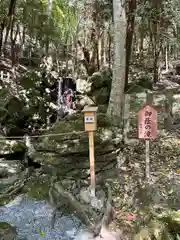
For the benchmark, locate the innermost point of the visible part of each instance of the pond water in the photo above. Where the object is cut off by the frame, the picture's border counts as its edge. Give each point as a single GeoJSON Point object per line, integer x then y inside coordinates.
{"type": "Point", "coordinates": [32, 219]}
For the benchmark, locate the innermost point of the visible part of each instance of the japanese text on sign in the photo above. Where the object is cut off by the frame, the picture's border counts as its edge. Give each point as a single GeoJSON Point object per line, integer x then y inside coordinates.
{"type": "Point", "coordinates": [147, 123]}
{"type": "Point", "coordinates": [89, 119]}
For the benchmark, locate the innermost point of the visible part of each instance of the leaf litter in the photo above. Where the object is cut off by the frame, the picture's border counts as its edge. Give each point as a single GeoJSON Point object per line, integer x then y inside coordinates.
{"type": "Point", "coordinates": [138, 201]}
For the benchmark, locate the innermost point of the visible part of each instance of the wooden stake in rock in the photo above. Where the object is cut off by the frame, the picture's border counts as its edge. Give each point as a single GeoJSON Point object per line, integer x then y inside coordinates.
{"type": "Point", "coordinates": [90, 121]}
{"type": "Point", "coordinates": [147, 129]}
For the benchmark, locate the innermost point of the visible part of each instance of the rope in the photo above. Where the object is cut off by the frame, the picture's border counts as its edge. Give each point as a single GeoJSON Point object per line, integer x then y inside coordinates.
{"type": "Point", "coordinates": [41, 136]}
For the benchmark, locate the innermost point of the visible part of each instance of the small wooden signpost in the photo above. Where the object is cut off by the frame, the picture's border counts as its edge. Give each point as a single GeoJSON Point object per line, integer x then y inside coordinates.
{"type": "Point", "coordinates": [90, 124]}
{"type": "Point", "coordinates": [147, 129]}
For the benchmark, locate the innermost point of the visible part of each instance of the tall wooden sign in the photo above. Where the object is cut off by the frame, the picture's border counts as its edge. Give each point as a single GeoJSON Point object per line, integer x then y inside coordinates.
{"type": "Point", "coordinates": [147, 129]}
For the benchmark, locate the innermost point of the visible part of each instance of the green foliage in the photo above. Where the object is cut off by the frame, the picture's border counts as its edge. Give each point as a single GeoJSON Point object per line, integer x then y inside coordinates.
{"type": "Point", "coordinates": [164, 15]}
{"type": "Point", "coordinates": [38, 24]}
{"type": "Point", "coordinates": [4, 96]}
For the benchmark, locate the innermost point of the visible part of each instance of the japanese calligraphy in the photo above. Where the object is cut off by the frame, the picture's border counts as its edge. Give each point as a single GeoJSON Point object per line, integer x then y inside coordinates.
{"type": "Point", "coordinates": [147, 122]}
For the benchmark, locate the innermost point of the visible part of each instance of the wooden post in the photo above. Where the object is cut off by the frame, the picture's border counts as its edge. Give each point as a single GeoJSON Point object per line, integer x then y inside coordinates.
{"type": "Point", "coordinates": [92, 163]}
{"type": "Point", "coordinates": [147, 160]}
{"type": "Point", "coordinates": [90, 123]}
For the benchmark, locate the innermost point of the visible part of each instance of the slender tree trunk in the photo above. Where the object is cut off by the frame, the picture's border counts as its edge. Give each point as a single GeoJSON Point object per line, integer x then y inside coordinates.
{"type": "Point", "coordinates": [166, 58]}
{"type": "Point", "coordinates": [129, 36]}
{"type": "Point", "coordinates": [7, 21]}
{"type": "Point", "coordinates": [2, 34]}
{"type": "Point", "coordinates": [10, 16]}
{"type": "Point", "coordinates": [116, 102]}
{"type": "Point", "coordinates": [109, 45]}
{"type": "Point", "coordinates": [141, 45]}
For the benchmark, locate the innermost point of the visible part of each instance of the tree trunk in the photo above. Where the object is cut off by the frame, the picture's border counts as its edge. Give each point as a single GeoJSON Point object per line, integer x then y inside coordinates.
{"type": "Point", "coordinates": [141, 45]}
{"type": "Point", "coordinates": [109, 45]}
{"type": "Point", "coordinates": [11, 13]}
{"type": "Point", "coordinates": [129, 36]}
{"type": "Point", "coordinates": [166, 58]}
{"type": "Point", "coordinates": [2, 34]}
{"type": "Point", "coordinates": [117, 89]}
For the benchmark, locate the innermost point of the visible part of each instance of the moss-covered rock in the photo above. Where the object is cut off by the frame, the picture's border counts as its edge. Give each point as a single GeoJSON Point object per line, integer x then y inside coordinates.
{"type": "Point", "coordinates": [10, 146]}
{"type": "Point", "coordinates": [102, 96]}
{"type": "Point", "coordinates": [102, 108]}
{"type": "Point", "coordinates": [7, 232]}
{"type": "Point", "coordinates": [69, 151]}
{"type": "Point", "coordinates": [101, 86]}
{"type": "Point", "coordinates": [38, 187]}
{"type": "Point", "coordinates": [142, 83]}
{"type": "Point", "coordinates": [4, 201]}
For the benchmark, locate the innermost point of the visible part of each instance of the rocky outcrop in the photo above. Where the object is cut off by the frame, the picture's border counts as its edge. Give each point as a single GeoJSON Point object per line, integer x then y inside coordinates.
{"type": "Point", "coordinates": [69, 151]}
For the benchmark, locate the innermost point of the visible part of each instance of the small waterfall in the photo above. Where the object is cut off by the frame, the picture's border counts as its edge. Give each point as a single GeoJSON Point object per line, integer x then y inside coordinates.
{"type": "Point", "coordinates": [30, 148]}
{"type": "Point", "coordinates": [60, 99]}
{"type": "Point", "coordinates": [64, 98]}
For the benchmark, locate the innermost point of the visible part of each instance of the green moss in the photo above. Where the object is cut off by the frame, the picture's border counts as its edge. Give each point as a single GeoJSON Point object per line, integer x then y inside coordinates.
{"type": "Point", "coordinates": [29, 80]}
{"type": "Point", "coordinates": [136, 105]}
{"type": "Point", "coordinates": [102, 120]}
{"type": "Point", "coordinates": [4, 201]}
{"type": "Point", "coordinates": [14, 105]}
{"type": "Point", "coordinates": [102, 95]}
{"type": "Point", "coordinates": [38, 188]}
{"type": "Point", "coordinates": [102, 109]}
{"type": "Point", "coordinates": [97, 139]}
{"type": "Point", "coordinates": [63, 126]}
{"type": "Point", "coordinates": [18, 147]}
{"type": "Point", "coordinates": [4, 225]}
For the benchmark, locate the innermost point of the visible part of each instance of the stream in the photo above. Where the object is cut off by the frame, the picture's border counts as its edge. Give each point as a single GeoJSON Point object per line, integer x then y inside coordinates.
{"type": "Point", "coordinates": [32, 219]}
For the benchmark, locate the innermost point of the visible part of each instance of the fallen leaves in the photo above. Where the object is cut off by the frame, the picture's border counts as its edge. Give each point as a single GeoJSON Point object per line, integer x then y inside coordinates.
{"type": "Point", "coordinates": [131, 217]}
{"type": "Point", "coordinates": [163, 190]}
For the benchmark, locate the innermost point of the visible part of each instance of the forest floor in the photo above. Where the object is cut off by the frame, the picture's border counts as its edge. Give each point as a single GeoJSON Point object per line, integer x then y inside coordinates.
{"type": "Point", "coordinates": [136, 200]}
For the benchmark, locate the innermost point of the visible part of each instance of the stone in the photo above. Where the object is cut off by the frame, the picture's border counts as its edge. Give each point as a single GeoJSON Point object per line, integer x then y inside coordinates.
{"type": "Point", "coordinates": [85, 100]}
{"type": "Point", "coordinates": [101, 86]}
{"type": "Point", "coordinates": [9, 167]}
{"type": "Point", "coordinates": [85, 195]}
{"type": "Point", "coordinates": [83, 86]}
{"type": "Point", "coordinates": [96, 202]}
{"type": "Point", "coordinates": [107, 134]}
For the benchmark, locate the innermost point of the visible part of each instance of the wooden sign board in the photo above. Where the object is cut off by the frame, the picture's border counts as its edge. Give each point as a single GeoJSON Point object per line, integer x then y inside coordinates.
{"type": "Point", "coordinates": [90, 118]}
{"type": "Point", "coordinates": [147, 123]}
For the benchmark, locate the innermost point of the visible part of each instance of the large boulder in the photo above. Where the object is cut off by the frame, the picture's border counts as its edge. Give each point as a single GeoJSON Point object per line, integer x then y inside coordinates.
{"type": "Point", "coordinates": [83, 86]}
{"type": "Point", "coordinates": [101, 86]}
